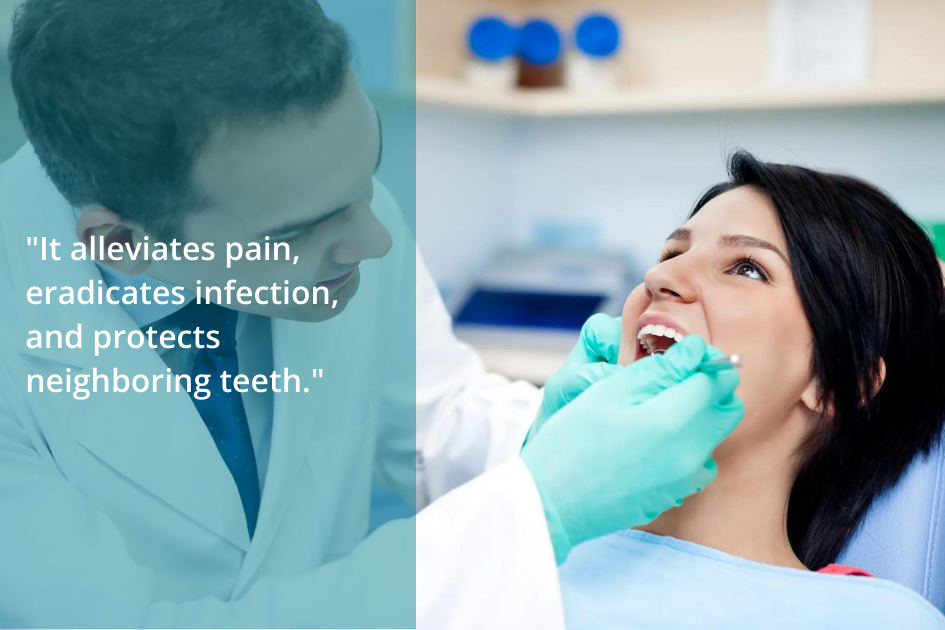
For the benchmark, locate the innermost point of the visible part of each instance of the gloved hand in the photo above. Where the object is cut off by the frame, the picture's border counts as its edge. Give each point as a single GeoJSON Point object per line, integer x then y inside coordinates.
{"type": "Point", "coordinates": [593, 358]}
{"type": "Point", "coordinates": [633, 445]}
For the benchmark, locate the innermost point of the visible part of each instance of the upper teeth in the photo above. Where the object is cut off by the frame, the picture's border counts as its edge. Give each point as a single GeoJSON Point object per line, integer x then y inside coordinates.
{"type": "Point", "coordinates": [657, 330]}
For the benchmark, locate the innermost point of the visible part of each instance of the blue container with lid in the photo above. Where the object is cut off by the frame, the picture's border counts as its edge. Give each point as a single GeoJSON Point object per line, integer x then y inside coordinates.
{"type": "Point", "coordinates": [598, 35]}
{"type": "Point", "coordinates": [493, 39]}
{"type": "Point", "coordinates": [540, 43]}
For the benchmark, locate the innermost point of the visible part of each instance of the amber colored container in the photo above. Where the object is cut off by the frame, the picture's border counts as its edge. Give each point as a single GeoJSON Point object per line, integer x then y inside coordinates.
{"type": "Point", "coordinates": [541, 58]}
{"type": "Point", "coordinates": [537, 76]}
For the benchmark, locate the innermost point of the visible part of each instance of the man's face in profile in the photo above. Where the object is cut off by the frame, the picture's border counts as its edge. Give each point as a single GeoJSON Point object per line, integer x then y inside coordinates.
{"type": "Point", "coordinates": [304, 180]}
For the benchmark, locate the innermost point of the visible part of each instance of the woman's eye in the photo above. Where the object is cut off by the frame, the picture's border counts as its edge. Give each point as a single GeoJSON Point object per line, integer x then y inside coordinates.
{"type": "Point", "coordinates": [670, 253]}
{"type": "Point", "coordinates": [749, 269]}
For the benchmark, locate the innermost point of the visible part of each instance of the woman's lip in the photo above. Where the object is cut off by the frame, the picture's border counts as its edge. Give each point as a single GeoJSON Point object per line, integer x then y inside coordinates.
{"type": "Point", "coordinates": [656, 319]}
{"type": "Point", "coordinates": [338, 282]}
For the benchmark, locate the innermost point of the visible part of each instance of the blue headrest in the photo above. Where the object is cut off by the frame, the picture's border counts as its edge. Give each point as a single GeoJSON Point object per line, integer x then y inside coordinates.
{"type": "Point", "coordinates": [903, 536]}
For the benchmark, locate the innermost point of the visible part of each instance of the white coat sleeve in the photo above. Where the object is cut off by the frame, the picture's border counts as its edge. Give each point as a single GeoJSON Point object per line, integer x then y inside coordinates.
{"type": "Point", "coordinates": [462, 420]}
{"type": "Point", "coordinates": [484, 557]}
{"type": "Point", "coordinates": [468, 420]}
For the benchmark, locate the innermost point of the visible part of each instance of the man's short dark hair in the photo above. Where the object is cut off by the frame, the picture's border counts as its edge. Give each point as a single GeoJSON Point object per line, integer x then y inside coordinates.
{"type": "Point", "coordinates": [118, 97]}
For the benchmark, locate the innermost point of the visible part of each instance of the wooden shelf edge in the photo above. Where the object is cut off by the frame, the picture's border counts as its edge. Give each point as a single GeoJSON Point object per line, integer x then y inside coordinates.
{"type": "Point", "coordinates": [559, 102]}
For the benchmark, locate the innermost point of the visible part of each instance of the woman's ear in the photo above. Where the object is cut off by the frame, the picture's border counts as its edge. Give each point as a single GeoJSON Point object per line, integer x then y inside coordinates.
{"type": "Point", "coordinates": [97, 221]}
{"type": "Point", "coordinates": [878, 379]}
{"type": "Point", "coordinates": [813, 400]}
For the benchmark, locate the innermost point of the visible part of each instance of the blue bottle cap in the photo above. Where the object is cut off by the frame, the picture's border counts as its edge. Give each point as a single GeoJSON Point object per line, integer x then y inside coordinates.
{"type": "Point", "coordinates": [541, 43]}
{"type": "Point", "coordinates": [493, 39]}
{"type": "Point", "coordinates": [598, 35]}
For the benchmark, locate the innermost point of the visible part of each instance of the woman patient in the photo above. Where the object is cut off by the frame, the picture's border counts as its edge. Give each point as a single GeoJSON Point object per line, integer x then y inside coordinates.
{"type": "Point", "coordinates": [833, 298]}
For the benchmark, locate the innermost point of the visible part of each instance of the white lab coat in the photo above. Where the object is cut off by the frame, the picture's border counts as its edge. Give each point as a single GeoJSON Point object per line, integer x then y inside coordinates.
{"type": "Point", "coordinates": [118, 511]}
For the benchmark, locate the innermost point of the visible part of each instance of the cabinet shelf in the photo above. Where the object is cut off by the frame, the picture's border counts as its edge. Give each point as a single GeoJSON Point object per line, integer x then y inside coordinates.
{"type": "Point", "coordinates": [441, 92]}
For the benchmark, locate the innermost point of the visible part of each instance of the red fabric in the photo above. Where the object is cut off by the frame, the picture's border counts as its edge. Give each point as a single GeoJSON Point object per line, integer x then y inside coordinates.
{"type": "Point", "coordinates": [840, 569]}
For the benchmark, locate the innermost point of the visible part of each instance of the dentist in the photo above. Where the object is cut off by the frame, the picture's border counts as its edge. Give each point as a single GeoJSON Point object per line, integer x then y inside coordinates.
{"type": "Point", "coordinates": [208, 121]}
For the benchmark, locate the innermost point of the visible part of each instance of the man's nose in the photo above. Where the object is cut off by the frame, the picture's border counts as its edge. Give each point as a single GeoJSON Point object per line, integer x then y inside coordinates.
{"type": "Point", "coordinates": [671, 280]}
{"type": "Point", "coordinates": [365, 238]}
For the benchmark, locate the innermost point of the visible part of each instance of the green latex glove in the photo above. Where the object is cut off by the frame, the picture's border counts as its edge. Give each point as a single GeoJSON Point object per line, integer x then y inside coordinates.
{"type": "Point", "coordinates": [593, 358]}
{"type": "Point", "coordinates": [633, 445]}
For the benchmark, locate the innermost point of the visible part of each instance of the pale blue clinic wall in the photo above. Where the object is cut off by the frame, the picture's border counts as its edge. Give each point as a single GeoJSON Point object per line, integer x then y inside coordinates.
{"type": "Point", "coordinates": [634, 177]}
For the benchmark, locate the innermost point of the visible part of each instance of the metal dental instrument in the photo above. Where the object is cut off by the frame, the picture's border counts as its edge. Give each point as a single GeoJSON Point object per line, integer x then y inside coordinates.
{"type": "Point", "coordinates": [722, 363]}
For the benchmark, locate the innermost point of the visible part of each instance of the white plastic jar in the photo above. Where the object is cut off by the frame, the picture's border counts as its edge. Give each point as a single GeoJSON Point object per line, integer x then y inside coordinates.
{"type": "Point", "coordinates": [592, 64]}
{"type": "Point", "coordinates": [493, 50]}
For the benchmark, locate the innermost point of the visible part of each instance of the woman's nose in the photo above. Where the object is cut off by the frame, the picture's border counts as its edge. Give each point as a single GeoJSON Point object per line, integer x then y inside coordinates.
{"type": "Point", "coordinates": [670, 281]}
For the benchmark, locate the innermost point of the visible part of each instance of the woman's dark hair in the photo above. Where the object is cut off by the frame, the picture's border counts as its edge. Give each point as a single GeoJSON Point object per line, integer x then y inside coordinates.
{"type": "Point", "coordinates": [872, 290]}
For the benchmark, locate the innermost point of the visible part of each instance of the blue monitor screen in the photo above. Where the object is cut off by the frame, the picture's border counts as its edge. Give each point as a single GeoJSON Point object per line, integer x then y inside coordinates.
{"type": "Point", "coordinates": [528, 310]}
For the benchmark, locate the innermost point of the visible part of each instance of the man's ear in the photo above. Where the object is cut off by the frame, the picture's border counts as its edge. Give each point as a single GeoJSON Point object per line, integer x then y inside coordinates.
{"type": "Point", "coordinates": [97, 221]}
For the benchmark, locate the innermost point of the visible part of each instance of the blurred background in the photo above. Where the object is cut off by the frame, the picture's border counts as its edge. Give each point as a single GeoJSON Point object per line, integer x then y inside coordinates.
{"type": "Point", "coordinates": [550, 127]}
{"type": "Point", "coordinates": [556, 143]}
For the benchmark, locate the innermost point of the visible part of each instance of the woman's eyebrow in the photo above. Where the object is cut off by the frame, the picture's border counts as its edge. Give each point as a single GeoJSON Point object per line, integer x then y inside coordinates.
{"type": "Point", "coordinates": [680, 234]}
{"type": "Point", "coordinates": [742, 240]}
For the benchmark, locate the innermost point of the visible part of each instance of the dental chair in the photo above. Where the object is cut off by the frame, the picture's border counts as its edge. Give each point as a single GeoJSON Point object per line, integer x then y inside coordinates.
{"type": "Point", "coordinates": [902, 538]}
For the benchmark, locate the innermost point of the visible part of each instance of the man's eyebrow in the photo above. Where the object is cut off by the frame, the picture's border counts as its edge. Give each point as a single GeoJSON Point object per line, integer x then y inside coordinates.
{"type": "Point", "coordinates": [680, 234]}
{"type": "Point", "coordinates": [301, 226]}
{"type": "Point", "coordinates": [742, 240]}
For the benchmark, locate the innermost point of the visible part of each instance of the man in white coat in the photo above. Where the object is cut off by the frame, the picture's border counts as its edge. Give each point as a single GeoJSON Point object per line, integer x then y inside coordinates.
{"type": "Point", "coordinates": [199, 121]}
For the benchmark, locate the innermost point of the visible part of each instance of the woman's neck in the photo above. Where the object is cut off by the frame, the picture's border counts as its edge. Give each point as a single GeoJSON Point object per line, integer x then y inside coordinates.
{"type": "Point", "coordinates": [742, 513]}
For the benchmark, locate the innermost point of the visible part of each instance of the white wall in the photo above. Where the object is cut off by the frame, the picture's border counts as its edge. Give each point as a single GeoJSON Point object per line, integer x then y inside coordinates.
{"type": "Point", "coordinates": [481, 182]}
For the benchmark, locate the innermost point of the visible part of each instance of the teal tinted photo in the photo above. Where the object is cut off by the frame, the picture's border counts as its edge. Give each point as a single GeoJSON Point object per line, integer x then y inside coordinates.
{"type": "Point", "coordinates": [207, 410]}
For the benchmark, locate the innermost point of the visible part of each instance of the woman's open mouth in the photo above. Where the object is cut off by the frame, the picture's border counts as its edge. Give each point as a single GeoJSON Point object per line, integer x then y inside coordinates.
{"type": "Point", "coordinates": [656, 334]}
